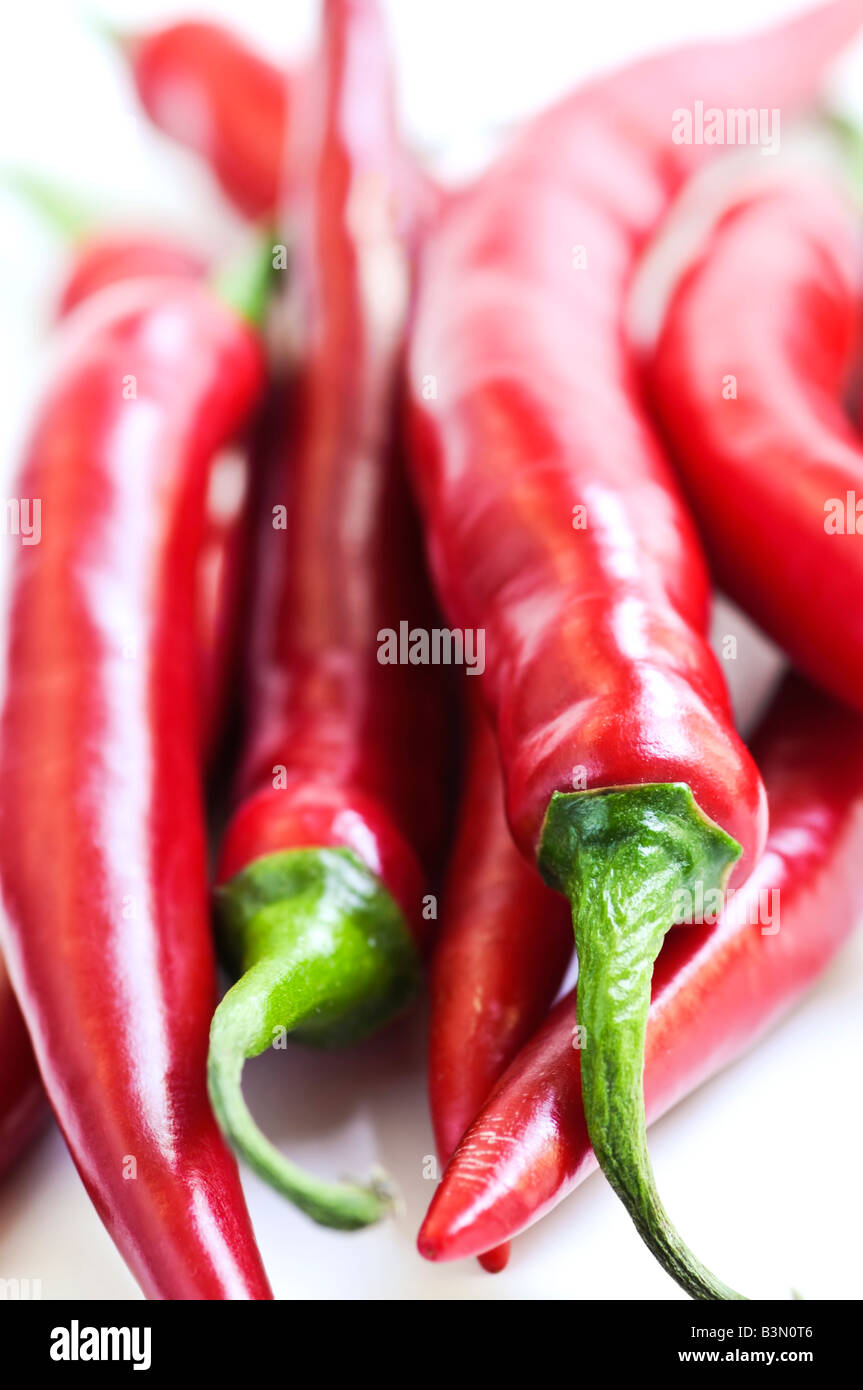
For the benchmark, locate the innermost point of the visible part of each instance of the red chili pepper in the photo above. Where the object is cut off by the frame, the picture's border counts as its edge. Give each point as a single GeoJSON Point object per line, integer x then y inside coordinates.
{"type": "Point", "coordinates": [504, 947]}
{"type": "Point", "coordinates": [526, 409]}
{"type": "Point", "coordinates": [101, 260]}
{"type": "Point", "coordinates": [207, 89]}
{"type": "Point", "coordinates": [109, 948]}
{"type": "Point", "coordinates": [747, 378]}
{"type": "Point", "coordinates": [112, 259]}
{"type": "Point", "coordinates": [98, 262]}
{"type": "Point", "coordinates": [320, 894]}
{"type": "Point", "coordinates": [715, 988]}
{"type": "Point", "coordinates": [222, 577]}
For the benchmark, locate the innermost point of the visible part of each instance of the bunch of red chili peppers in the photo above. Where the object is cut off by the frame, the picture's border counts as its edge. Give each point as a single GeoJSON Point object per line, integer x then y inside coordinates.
{"type": "Point", "coordinates": [461, 385]}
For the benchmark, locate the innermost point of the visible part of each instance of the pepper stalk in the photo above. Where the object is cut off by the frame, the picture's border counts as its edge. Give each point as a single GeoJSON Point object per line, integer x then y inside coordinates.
{"type": "Point", "coordinates": [622, 856]}
{"type": "Point", "coordinates": [323, 955]}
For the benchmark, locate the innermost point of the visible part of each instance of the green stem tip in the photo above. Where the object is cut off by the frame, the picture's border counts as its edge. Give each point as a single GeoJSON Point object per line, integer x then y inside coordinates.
{"type": "Point", "coordinates": [247, 284]}
{"type": "Point", "coordinates": [848, 137]}
{"type": "Point", "coordinates": [58, 209]}
{"type": "Point", "coordinates": [106, 31]}
{"type": "Point", "coordinates": [323, 956]}
{"type": "Point", "coordinates": [627, 859]}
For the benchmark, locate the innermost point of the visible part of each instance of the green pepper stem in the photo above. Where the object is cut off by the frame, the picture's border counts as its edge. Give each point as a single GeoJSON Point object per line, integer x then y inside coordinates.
{"type": "Point", "coordinates": [846, 132]}
{"type": "Point", "coordinates": [247, 284]}
{"type": "Point", "coordinates": [623, 857]}
{"type": "Point", "coordinates": [102, 28]}
{"type": "Point", "coordinates": [59, 210]}
{"type": "Point", "coordinates": [343, 1206]}
{"type": "Point", "coordinates": [323, 956]}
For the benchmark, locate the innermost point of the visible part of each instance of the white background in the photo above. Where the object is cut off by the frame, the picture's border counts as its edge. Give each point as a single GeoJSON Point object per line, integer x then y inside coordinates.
{"type": "Point", "coordinates": [761, 1168]}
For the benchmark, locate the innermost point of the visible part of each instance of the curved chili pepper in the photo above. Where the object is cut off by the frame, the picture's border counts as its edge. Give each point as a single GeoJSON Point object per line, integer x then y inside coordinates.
{"type": "Point", "coordinates": [503, 949]}
{"type": "Point", "coordinates": [105, 258]}
{"type": "Point", "coordinates": [715, 988]}
{"type": "Point", "coordinates": [101, 260]}
{"type": "Point", "coordinates": [320, 886]}
{"type": "Point", "coordinates": [111, 259]}
{"type": "Point", "coordinates": [110, 951]}
{"type": "Point", "coordinates": [207, 89]}
{"type": "Point", "coordinates": [747, 378]}
{"type": "Point", "coordinates": [556, 528]}
{"type": "Point", "coordinates": [203, 86]}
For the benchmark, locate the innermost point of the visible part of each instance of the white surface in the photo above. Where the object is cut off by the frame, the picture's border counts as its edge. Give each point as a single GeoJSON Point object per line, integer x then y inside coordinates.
{"type": "Point", "coordinates": [761, 1167]}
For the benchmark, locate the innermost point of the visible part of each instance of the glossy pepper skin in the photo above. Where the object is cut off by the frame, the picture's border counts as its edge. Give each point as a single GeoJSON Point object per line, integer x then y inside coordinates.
{"type": "Point", "coordinates": [101, 260]}
{"type": "Point", "coordinates": [504, 945]}
{"type": "Point", "coordinates": [556, 527]}
{"type": "Point", "coordinates": [105, 259]}
{"type": "Point", "coordinates": [98, 262]}
{"type": "Point", "coordinates": [109, 949]}
{"type": "Point", "coordinates": [204, 87]}
{"type": "Point", "coordinates": [320, 880]}
{"type": "Point", "coordinates": [773, 301]}
{"type": "Point", "coordinates": [188, 77]}
{"type": "Point", "coordinates": [716, 988]}
{"type": "Point", "coordinates": [537, 411]}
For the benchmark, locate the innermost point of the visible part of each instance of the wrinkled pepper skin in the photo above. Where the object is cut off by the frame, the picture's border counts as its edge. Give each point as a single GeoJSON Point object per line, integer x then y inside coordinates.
{"type": "Point", "coordinates": [716, 988]}
{"type": "Point", "coordinates": [773, 301]}
{"type": "Point", "coordinates": [109, 949]}
{"type": "Point", "coordinates": [208, 90]}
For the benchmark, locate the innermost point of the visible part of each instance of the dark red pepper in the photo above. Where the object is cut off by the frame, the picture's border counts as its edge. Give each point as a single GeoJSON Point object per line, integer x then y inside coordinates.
{"type": "Point", "coordinates": [505, 943]}
{"type": "Point", "coordinates": [22, 1099]}
{"type": "Point", "coordinates": [716, 988]}
{"type": "Point", "coordinates": [102, 850]}
{"type": "Point", "coordinates": [748, 378]}
{"type": "Point", "coordinates": [340, 789]}
{"type": "Point", "coordinates": [555, 527]}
